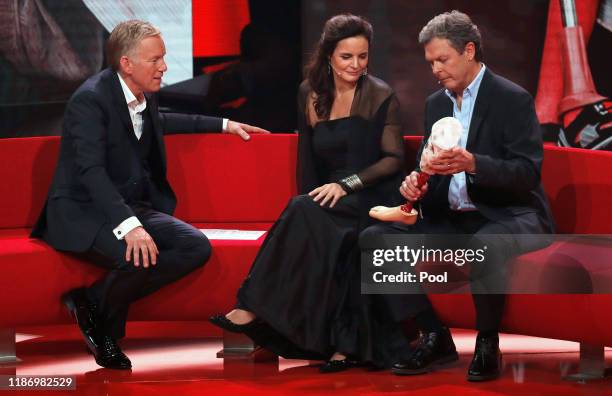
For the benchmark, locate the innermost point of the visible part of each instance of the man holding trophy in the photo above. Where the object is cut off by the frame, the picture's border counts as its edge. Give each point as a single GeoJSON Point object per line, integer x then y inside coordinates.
{"type": "Point", "coordinates": [486, 185]}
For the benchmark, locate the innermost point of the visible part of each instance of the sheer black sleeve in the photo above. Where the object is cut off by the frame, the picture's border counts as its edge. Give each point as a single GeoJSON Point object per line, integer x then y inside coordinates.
{"type": "Point", "coordinates": [391, 160]}
{"type": "Point", "coordinates": [307, 179]}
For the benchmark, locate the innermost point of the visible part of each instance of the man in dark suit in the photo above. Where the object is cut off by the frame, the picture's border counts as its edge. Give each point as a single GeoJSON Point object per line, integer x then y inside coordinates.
{"type": "Point", "coordinates": [488, 187]}
{"type": "Point", "coordinates": [110, 198]}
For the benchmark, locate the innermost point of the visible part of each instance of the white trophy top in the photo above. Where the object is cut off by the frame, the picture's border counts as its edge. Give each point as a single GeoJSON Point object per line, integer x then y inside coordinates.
{"type": "Point", "coordinates": [445, 133]}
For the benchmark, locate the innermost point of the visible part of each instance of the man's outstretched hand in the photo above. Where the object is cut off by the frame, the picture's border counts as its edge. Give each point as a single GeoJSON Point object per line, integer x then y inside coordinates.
{"type": "Point", "coordinates": [243, 130]}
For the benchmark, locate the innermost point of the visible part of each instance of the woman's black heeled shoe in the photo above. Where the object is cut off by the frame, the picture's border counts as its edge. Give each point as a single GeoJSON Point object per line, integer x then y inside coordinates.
{"type": "Point", "coordinates": [226, 324]}
{"type": "Point", "coordinates": [335, 366]}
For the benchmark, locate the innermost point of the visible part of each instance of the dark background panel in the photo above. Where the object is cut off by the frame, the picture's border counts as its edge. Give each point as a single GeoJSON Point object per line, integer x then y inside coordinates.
{"type": "Point", "coordinates": [513, 35]}
{"type": "Point", "coordinates": [32, 101]}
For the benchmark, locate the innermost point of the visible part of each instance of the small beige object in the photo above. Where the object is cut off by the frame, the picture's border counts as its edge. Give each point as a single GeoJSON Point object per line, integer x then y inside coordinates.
{"type": "Point", "coordinates": [384, 213]}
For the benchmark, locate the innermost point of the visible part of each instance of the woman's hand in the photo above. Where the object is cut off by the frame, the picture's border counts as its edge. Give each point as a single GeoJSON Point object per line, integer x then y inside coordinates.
{"type": "Point", "coordinates": [327, 192]}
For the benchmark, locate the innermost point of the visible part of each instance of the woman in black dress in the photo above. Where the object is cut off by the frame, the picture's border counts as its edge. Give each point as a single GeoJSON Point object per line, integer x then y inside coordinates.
{"type": "Point", "coordinates": [302, 296]}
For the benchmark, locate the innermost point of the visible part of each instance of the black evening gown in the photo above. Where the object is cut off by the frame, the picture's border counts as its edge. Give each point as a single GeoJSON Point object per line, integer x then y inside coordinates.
{"type": "Point", "coordinates": [304, 284]}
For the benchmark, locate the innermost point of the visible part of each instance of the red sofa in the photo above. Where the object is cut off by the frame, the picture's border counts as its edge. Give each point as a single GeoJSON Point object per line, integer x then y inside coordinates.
{"type": "Point", "coordinates": [222, 182]}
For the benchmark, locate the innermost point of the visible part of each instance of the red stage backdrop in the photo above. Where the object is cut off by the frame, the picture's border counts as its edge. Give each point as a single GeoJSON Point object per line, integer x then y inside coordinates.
{"type": "Point", "coordinates": [217, 25]}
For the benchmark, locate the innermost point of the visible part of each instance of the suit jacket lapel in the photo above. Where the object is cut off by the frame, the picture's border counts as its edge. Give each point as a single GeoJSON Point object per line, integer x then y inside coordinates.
{"type": "Point", "coordinates": [157, 129]}
{"type": "Point", "coordinates": [122, 109]}
{"type": "Point", "coordinates": [447, 110]}
{"type": "Point", "coordinates": [480, 108]}
{"type": "Point", "coordinates": [442, 107]}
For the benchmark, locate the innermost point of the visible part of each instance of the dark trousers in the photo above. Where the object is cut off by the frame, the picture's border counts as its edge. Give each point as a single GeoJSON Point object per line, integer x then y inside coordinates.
{"type": "Point", "coordinates": [489, 307]}
{"type": "Point", "coordinates": [182, 249]}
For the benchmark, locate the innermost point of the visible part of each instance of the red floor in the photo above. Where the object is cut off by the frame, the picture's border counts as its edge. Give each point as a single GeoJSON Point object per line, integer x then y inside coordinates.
{"type": "Point", "coordinates": [171, 359]}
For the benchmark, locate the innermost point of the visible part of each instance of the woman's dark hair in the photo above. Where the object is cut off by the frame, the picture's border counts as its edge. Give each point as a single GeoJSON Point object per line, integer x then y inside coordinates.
{"type": "Point", "coordinates": [317, 72]}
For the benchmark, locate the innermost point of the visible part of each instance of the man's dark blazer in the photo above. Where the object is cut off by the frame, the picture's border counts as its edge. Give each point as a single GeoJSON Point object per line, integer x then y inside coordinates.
{"type": "Point", "coordinates": [99, 163]}
{"type": "Point", "coordinates": [506, 140]}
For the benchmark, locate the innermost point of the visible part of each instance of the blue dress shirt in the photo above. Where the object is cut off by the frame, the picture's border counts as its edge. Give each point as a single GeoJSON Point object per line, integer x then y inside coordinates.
{"type": "Point", "coordinates": [458, 198]}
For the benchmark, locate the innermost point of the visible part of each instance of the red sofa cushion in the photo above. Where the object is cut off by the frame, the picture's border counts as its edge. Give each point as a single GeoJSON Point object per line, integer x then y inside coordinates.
{"type": "Point", "coordinates": [236, 181]}
{"type": "Point", "coordinates": [217, 178]}
{"type": "Point", "coordinates": [579, 189]}
{"type": "Point", "coordinates": [26, 169]}
{"type": "Point", "coordinates": [34, 276]}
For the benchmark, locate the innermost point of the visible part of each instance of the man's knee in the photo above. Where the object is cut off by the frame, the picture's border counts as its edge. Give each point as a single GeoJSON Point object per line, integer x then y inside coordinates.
{"type": "Point", "coordinates": [370, 234]}
{"type": "Point", "coordinates": [114, 260]}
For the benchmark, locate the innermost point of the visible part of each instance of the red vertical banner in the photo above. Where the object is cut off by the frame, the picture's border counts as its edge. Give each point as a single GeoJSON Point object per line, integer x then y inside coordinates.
{"type": "Point", "coordinates": [551, 84]}
{"type": "Point", "coordinates": [217, 25]}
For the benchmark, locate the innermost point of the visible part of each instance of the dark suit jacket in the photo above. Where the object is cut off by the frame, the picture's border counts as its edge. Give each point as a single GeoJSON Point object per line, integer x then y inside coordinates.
{"type": "Point", "coordinates": [506, 141]}
{"type": "Point", "coordinates": [99, 163]}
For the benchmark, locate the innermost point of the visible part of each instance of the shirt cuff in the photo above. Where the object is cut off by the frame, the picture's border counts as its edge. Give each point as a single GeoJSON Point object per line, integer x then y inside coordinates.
{"type": "Point", "coordinates": [224, 127]}
{"type": "Point", "coordinates": [126, 226]}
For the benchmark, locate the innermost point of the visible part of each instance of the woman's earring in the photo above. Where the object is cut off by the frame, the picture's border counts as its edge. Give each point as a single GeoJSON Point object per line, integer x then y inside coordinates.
{"type": "Point", "coordinates": [365, 72]}
{"type": "Point", "coordinates": [328, 68]}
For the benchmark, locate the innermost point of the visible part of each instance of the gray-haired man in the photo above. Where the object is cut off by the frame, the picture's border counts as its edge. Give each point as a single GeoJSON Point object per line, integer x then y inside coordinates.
{"type": "Point", "coordinates": [488, 187]}
{"type": "Point", "coordinates": [110, 198]}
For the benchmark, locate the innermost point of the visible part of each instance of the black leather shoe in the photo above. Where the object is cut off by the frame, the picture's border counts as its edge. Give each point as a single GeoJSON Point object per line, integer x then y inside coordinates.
{"type": "Point", "coordinates": [432, 349]}
{"type": "Point", "coordinates": [226, 324]}
{"type": "Point", "coordinates": [335, 366]}
{"type": "Point", "coordinates": [487, 361]}
{"type": "Point", "coordinates": [109, 354]}
{"type": "Point", "coordinates": [84, 312]}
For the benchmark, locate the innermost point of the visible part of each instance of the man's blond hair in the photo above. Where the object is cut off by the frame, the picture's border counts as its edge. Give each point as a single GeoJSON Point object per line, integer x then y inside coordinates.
{"type": "Point", "coordinates": [125, 37]}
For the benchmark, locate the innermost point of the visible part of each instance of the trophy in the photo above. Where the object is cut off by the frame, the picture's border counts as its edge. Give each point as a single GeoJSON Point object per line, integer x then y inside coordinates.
{"type": "Point", "coordinates": [445, 134]}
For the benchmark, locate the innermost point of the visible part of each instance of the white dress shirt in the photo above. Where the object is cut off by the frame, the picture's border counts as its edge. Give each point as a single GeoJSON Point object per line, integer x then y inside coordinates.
{"type": "Point", "coordinates": [135, 109]}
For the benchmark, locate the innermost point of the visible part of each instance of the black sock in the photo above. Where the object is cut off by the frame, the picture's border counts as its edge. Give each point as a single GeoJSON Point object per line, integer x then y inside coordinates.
{"type": "Point", "coordinates": [428, 321]}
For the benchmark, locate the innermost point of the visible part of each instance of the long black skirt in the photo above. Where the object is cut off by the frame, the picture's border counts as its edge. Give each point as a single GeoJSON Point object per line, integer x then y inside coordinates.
{"type": "Point", "coordinates": [304, 285]}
